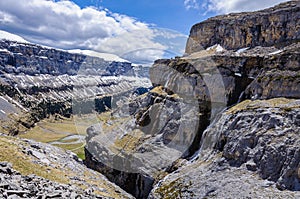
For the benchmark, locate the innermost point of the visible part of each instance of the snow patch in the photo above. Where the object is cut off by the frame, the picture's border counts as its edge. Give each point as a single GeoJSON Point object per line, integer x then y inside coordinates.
{"type": "Point", "coordinates": [4, 51]}
{"type": "Point", "coordinates": [238, 74]}
{"type": "Point", "coordinates": [241, 50]}
{"type": "Point", "coordinates": [105, 56]}
{"type": "Point", "coordinates": [216, 48]}
{"type": "Point", "coordinates": [11, 37]}
{"type": "Point", "coordinates": [276, 52]}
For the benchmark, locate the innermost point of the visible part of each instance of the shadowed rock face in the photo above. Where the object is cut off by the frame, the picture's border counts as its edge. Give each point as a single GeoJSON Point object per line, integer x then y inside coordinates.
{"type": "Point", "coordinates": [143, 139]}
{"type": "Point", "coordinates": [275, 26]}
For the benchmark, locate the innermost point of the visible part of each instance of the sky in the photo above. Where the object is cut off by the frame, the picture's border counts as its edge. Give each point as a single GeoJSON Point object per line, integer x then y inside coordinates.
{"type": "Point", "coordinates": [137, 30]}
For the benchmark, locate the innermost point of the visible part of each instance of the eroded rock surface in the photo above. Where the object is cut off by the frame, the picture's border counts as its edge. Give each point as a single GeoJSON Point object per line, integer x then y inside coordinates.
{"type": "Point", "coordinates": [143, 139]}
{"type": "Point", "coordinates": [211, 80]}
{"type": "Point", "coordinates": [252, 151]}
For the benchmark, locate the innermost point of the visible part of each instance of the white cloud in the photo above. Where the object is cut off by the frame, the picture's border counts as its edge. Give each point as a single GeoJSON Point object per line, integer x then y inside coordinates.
{"type": "Point", "coordinates": [191, 4]}
{"type": "Point", "coordinates": [227, 6]}
{"type": "Point", "coordinates": [65, 25]}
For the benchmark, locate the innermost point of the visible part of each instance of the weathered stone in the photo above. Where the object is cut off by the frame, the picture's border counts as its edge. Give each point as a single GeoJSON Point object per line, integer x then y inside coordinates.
{"type": "Point", "coordinates": [251, 148]}
{"type": "Point", "coordinates": [15, 185]}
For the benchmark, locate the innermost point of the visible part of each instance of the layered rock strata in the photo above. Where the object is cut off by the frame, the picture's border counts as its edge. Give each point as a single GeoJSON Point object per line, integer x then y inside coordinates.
{"type": "Point", "coordinates": [274, 26]}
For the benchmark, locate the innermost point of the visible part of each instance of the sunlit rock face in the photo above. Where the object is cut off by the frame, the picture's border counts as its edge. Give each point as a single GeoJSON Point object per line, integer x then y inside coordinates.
{"type": "Point", "coordinates": [274, 26]}
{"type": "Point", "coordinates": [229, 76]}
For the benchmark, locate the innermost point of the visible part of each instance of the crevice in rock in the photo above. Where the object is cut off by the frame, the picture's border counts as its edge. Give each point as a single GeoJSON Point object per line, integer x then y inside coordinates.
{"type": "Point", "coordinates": [204, 122]}
{"type": "Point", "coordinates": [137, 184]}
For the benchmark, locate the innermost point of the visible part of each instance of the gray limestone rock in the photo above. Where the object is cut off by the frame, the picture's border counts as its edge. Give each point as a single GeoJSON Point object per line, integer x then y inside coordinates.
{"type": "Point", "coordinates": [251, 151]}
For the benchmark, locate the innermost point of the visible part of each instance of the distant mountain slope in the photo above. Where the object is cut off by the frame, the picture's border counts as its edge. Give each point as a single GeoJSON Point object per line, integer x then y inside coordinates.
{"type": "Point", "coordinates": [106, 56]}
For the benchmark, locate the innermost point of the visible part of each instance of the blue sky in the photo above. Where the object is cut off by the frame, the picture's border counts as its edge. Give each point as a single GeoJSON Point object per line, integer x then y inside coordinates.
{"type": "Point", "coordinates": [171, 14]}
{"type": "Point", "coordinates": [136, 30]}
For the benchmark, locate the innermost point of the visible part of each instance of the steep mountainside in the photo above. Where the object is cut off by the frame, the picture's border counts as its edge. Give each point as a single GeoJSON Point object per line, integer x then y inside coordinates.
{"type": "Point", "coordinates": [274, 26]}
{"type": "Point", "coordinates": [252, 150]}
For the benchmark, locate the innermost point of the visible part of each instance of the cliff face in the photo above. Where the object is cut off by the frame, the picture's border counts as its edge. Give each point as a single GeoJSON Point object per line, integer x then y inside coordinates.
{"type": "Point", "coordinates": [262, 75]}
{"type": "Point", "coordinates": [152, 127]}
{"type": "Point", "coordinates": [30, 59]}
{"type": "Point", "coordinates": [274, 26]}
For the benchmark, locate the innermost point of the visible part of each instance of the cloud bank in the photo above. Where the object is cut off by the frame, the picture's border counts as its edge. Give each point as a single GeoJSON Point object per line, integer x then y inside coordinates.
{"type": "Point", "coordinates": [227, 6]}
{"type": "Point", "coordinates": [63, 24]}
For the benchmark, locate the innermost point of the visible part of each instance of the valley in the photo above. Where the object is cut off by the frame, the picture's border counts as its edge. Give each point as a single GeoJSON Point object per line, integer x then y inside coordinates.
{"type": "Point", "coordinates": [220, 121]}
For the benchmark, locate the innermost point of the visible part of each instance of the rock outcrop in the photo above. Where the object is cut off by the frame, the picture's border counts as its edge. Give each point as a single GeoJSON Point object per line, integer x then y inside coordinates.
{"type": "Point", "coordinates": [227, 77]}
{"type": "Point", "coordinates": [274, 26]}
{"type": "Point", "coordinates": [143, 138]}
{"type": "Point", "coordinates": [34, 170]}
{"type": "Point", "coordinates": [252, 151]}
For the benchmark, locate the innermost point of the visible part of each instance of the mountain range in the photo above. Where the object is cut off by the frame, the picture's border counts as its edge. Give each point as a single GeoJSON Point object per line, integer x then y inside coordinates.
{"type": "Point", "coordinates": [220, 121]}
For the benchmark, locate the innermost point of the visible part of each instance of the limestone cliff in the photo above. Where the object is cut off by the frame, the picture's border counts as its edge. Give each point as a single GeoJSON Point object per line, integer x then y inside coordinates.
{"type": "Point", "coordinates": [274, 26]}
